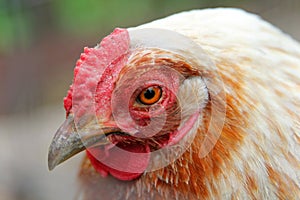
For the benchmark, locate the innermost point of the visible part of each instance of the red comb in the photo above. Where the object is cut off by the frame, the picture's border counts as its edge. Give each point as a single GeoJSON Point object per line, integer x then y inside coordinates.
{"type": "Point", "coordinates": [92, 65]}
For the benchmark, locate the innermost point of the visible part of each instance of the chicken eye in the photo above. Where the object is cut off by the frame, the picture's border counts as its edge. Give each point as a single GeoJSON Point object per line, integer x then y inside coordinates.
{"type": "Point", "coordinates": [150, 95]}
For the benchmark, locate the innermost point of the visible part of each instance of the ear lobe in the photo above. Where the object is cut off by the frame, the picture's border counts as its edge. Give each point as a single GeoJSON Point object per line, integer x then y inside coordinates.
{"type": "Point", "coordinates": [192, 95]}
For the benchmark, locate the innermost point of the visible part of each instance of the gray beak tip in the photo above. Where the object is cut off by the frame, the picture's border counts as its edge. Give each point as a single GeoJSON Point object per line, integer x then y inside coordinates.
{"type": "Point", "coordinates": [61, 146]}
{"type": "Point", "coordinates": [67, 142]}
{"type": "Point", "coordinates": [50, 167]}
{"type": "Point", "coordinates": [51, 164]}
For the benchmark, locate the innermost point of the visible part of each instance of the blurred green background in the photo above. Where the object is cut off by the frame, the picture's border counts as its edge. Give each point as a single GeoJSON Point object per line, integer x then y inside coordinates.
{"type": "Point", "coordinates": [40, 41]}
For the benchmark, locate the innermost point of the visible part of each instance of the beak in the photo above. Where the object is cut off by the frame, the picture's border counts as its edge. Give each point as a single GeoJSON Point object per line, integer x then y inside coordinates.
{"type": "Point", "coordinates": [67, 141]}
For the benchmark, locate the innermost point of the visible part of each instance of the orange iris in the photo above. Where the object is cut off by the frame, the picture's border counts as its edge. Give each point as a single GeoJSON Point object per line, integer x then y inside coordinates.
{"type": "Point", "coordinates": [150, 95]}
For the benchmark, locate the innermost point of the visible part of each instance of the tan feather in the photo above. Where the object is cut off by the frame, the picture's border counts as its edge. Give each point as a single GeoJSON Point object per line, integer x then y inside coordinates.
{"type": "Point", "coordinates": [257, 155]}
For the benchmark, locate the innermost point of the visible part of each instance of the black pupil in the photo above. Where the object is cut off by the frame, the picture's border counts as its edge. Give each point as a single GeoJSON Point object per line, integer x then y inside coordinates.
{"type": "Point", "coordinates": [149, 93]}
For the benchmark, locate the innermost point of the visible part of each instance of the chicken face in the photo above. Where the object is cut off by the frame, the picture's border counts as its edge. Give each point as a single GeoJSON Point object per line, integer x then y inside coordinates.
{"type": "Point", "coordinates": [149, 104]}
{"type": "Point", "coordinates": [133, 102]}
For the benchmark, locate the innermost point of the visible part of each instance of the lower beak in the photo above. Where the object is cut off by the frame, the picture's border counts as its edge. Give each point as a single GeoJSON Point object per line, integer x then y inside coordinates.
{"type": "Point", "coordinates": [68, 141]}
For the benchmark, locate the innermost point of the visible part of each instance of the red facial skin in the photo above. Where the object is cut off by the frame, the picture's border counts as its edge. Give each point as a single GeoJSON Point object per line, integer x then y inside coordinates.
{"type": "Point", "coordinates": [129, 157]}
{"type": "Point", "coordinates": [101, 88]}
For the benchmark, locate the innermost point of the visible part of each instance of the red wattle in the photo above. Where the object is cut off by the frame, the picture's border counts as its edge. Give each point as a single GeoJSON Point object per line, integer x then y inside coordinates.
{"type": "Point", "coordinates": [124, 162]}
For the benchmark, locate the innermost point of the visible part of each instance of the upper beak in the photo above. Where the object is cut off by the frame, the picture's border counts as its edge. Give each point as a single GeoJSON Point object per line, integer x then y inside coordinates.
{"type": "Point", "coordinates": [68, 141]}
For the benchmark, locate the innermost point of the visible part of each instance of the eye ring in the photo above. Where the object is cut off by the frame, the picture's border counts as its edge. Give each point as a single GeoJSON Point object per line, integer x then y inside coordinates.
{"type": "Point", "coordinates": [150, 95]}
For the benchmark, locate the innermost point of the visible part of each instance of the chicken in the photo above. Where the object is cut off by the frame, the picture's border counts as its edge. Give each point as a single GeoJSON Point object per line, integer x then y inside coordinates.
{"type": "Point", "coordinates": [203, 104]}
